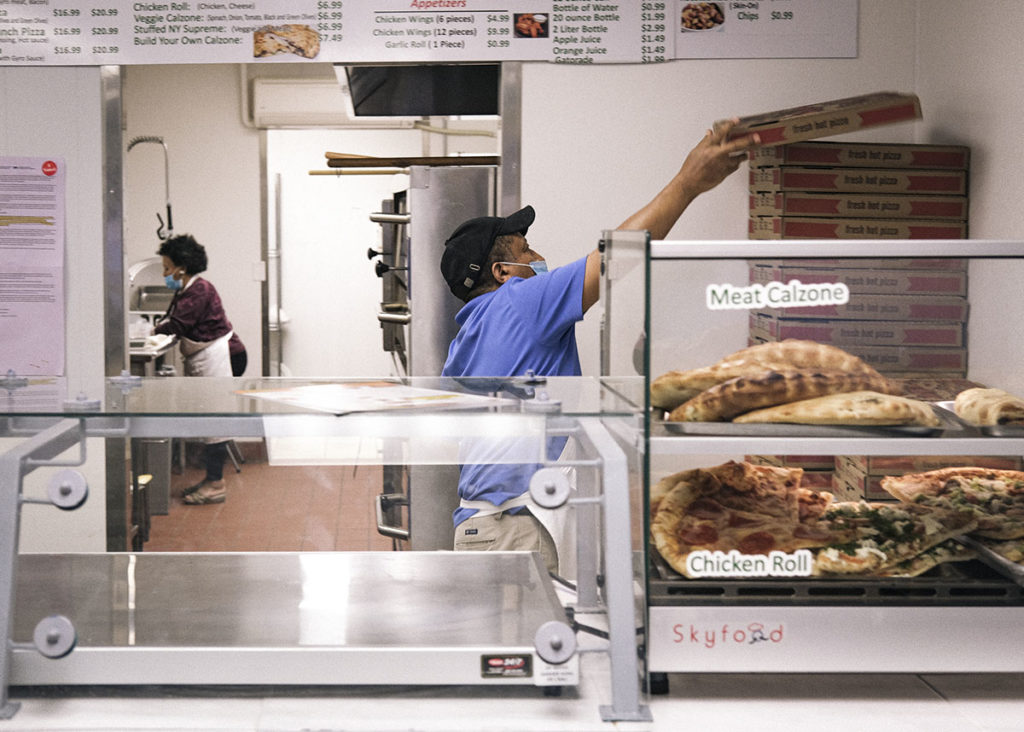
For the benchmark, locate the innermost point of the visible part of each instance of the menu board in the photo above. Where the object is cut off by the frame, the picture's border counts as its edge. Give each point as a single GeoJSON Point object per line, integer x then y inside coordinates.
{"type": "Point", "coordinates": [100, 32]}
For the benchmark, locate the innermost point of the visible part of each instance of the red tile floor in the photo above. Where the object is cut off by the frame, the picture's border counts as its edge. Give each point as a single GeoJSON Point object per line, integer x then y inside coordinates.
{"type": "Point", "coordinates": [271, 508]}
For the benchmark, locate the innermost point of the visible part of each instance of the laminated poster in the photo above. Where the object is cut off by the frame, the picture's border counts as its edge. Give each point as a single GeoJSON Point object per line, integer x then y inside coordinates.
{"type": "Point", "coordinates": [32, 204]}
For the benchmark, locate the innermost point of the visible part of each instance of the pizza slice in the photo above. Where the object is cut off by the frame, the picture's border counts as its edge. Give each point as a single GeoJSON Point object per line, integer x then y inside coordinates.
{"type": "Point", "coordinates": [885, 535]}
{"type": "Point", "coordinates": [948, 551]}
{"type": "Point", "coordinates": [759, 489]}
{"type": "Point", "coordinates": [985, 407]}
{"type": "Point", "coordinates": [671, 389]}
{"type": "Point", "coordinates": [682, 527]}
{"type": "Point", "coordinates": [1011, 549]}
{"type": "Point", "coordinates": [995, 497]}
{"type": "Point", "coordinates": [738, 506]}
{"type": "Point", "coordinates": [869, 408]}
{"type": "Point", "coordinates": [725, 401]}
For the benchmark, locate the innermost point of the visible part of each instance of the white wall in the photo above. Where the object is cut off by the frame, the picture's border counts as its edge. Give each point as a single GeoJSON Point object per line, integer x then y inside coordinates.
{"type": "Point", "coordinates": [55, 112]}
{"type": "Point", "coordinates": [969, 73]}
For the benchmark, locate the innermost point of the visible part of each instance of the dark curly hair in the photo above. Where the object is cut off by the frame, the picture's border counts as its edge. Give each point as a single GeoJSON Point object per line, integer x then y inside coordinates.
{"type": "Point", "coordinates": [185, 252]}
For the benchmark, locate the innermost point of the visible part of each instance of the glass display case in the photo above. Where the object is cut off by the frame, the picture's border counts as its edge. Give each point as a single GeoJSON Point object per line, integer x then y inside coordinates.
{"type": "Point", "coordinates": [323, 618]}
{"type": "Point", "coordinates": [712, 606]}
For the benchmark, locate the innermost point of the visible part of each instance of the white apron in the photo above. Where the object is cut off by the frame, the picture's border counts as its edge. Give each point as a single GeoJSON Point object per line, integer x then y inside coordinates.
{"type": "Point", "coordinates": [555, 520]}
{"type": "Point", "coordinates": [207, 358]}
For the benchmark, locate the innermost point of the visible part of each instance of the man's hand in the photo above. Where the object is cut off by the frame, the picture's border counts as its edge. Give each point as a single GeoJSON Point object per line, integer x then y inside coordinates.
{"type": "Point", "coordinates": [714, 158]}
{"type": "Point", "coordinates": [708, 164]}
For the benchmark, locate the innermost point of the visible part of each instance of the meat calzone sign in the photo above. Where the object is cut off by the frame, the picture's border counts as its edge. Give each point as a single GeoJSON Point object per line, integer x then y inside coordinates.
{"type": "Point", "coordinates": [793, 293]}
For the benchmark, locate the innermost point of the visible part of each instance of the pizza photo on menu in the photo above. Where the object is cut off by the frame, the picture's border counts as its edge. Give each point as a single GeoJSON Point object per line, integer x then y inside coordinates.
{"type": "Point", "coordinates": [294, 38]}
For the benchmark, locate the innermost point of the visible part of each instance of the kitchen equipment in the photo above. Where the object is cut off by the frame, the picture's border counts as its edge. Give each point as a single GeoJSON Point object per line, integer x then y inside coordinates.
{"type": "Point", "coordinates": [417, 318]}
{"type": "Point", "coordinates": [167, 184]}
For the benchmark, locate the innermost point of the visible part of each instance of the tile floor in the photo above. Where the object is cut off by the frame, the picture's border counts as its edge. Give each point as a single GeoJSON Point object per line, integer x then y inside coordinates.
{"type": "Point", "coordinates": [317, 508]}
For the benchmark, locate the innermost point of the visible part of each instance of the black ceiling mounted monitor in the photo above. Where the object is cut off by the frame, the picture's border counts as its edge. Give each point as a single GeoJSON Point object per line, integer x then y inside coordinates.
{"type": "Point", "coordinates": [432, 90]}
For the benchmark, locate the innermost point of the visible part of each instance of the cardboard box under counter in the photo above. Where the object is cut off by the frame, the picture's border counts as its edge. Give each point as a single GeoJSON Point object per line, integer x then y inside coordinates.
{"type": "Point", "coordinates": [858, 180]}
{"type": "Point", "coordinates": [857, 205]}
{"type": "Point", "coordinates": [833, 117]}
{"type": "Point", "coordinates": [863, 154]}
{"type": "Point", "coordinates": [860, 281]}
{"type": "Point", "coordinates": [791, 227]}
{"type": "Point", "coordinates": [843, 333]}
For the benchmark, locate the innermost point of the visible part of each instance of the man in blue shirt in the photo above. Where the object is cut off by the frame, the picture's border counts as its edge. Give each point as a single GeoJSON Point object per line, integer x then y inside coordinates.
{"type": "Point", "coordinates": [519, 317]}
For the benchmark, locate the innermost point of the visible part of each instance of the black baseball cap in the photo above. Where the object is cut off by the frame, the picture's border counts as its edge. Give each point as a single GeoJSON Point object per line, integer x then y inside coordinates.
{"type": "Point", "coordinates": [467, 249]}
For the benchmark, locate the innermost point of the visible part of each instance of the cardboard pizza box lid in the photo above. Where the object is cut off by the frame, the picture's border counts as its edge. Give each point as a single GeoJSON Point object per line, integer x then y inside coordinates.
{"type": "Point", "coordinates": [834, 117]}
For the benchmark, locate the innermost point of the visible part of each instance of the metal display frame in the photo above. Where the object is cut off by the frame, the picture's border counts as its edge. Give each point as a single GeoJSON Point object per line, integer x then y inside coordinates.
{"type": "Point", "coordinates": [604, 583]}
{"type": "Point", "coordinates": [702, 628]}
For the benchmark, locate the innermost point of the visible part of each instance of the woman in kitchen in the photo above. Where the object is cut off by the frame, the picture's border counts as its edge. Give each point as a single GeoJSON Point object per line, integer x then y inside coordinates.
{"type": "Point", "coordinates": [207, 341]}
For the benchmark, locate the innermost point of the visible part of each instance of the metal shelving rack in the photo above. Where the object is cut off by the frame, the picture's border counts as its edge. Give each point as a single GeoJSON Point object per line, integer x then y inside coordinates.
{"type": "Point", "coordinates": [809, 626]}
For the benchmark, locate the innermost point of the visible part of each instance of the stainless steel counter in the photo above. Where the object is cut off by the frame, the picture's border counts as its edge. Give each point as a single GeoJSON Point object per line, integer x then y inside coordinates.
{"type": "Point", "coordinates": [290, 618]}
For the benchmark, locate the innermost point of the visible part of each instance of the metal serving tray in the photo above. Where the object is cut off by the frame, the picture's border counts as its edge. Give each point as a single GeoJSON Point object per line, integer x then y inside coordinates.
{"type": "Point", "coordinates": [950, 425]}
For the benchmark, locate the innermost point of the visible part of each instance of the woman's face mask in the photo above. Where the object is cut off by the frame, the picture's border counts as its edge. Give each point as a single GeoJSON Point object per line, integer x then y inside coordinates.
{"type": "Point", "coordinates": [172, 283]}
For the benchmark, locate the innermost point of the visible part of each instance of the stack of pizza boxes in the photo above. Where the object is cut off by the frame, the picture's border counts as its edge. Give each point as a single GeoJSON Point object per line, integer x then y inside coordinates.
{"type": "Point", "coordinates": [905, 317]}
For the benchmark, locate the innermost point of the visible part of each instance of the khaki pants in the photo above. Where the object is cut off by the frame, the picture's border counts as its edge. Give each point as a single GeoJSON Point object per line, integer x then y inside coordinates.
{"type": "Point", "coordinates": [502, 532]}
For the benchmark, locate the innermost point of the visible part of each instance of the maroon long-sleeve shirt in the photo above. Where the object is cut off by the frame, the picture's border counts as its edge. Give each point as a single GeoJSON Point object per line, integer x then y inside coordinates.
{"type": "Point", "coordinates": [196, 313]}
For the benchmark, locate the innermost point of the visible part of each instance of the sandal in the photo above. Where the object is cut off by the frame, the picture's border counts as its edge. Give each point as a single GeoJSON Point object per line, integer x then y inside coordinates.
{"type": "Point", "coordinates": [193, 488]}
{"type": "Point", "coordinates": [200, 499]}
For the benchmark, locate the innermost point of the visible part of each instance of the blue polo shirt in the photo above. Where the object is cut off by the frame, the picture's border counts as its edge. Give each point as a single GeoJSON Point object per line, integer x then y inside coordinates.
{"type": "Point", "coordinates": [524, 325]}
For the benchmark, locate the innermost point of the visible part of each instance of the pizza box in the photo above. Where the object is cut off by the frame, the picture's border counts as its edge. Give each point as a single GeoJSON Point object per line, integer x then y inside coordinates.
{"type": "Point", "coordinates": [859, 332]}
{"type": "Point", "coordinates": [858, 180]}
{"type": "Point", "coordinates": [817, 480]}
{"type": "Point", "coordinates": [883, 307]}
{"type": "Point", "coordinates": [806, 462]}
{"type": "Point", "coordinates": [903, 464]}
{"type": "Point", "coordinates": [912, 358]}
{"type": "Point", "coordinates": [863, 154]}
{"type": "Point", "coordinates": [860, 281]}
{"type": "Point", "coordinates": [858, 205]}
{"type": "Point", "coordinates": [793, 227]}
{"type": "Point", "coordinates": [857, 487]}
{"type": "Point", "coordinates": [929, 263]}
{"type": "Point", "coordinates": [902, 359]}
{"type": "Point", "coordinates": [932, 389]}
{"type": "Point", "coordinates": [834, 117]}
{"type": "Point", "coordinates": [846, 490]}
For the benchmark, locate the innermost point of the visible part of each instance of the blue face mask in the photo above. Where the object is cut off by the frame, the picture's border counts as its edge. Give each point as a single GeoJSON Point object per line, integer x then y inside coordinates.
{"type": "Point", "coordinates": [539, 266]}
{"type": "Point", "coordinates": [172, 283]}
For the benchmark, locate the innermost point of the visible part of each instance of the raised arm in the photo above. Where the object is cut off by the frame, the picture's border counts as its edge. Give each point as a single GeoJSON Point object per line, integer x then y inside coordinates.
{"type": "Point", "coordinates": [713, 159]}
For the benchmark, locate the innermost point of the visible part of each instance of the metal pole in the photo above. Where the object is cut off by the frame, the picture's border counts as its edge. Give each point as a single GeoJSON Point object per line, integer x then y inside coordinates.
{"type": "Point", "coordinates": [618, 588]}
{"type": "Point", "coordinates": [14, 465]}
